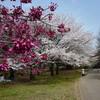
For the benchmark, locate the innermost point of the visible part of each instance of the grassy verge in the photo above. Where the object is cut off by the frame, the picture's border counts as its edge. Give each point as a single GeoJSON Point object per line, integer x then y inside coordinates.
{"type": "Point", "coordinates": [45, 87]}
{"type": "Point", "coordinates": [87, 70]}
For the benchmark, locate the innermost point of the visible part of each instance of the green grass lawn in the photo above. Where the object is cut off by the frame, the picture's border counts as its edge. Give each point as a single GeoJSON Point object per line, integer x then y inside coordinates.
{"type": "Point", "coordinates": [45, 87]}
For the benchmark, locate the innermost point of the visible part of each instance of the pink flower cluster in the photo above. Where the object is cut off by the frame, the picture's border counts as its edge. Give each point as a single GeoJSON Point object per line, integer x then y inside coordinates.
{"type": "Point", "coordinates": [5, 48]}
{"type": "Point", "coordinates": [36, 71]}
{"type": "Point", "coordinates": [4, 11]}
{"type": "Point", "coordinates": [37, 61]}
{"type": "Point", "coordinates": [37, 42]}
{"type": "Point", "coordinates": [25, 59]}
{"type": "Point", "coordinates": [68, 30]}
{"type": "Point", "coordinates": [4, 65]}
{"type": "Point", "coordinates": [35, 13]}
{"type": "Point", "coordinates": [50, 33]}
{"type": "Point", "coordinates": [33, 55]}
{"type": "Point", "coordinates": [17, 12]}
{"type": "Point", "coordinates": [38, 29]}
{"type": "Point", "coordinates": [61, 28]}
{"type": "Point", "coordinates": [17, 38]}
{"type": "Point", "coordinates": [21, 46]}
{"type": "Point", "coordinates": [53, 6]}
{"type": "Point", "coordinates": [28, 58]}
{"type": "Point", "coordinates": [44, 57]}
{"type": "Point", "coordinates": [23, 1]}
{"type": "Point", "coordinates": [26, 1]}
{"type": "Point", "coordinates": [50, 16]}
{"type": "Point", "coordinates": [22, 28]}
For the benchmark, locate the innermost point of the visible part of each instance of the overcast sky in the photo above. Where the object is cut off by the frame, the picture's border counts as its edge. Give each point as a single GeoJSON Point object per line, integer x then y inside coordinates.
{"type": "Point", "coordinates": [85, 11]}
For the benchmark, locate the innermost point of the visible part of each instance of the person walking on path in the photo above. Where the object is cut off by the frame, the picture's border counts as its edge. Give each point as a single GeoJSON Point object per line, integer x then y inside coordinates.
{"type": "Point", "coordinates": [83, 72]}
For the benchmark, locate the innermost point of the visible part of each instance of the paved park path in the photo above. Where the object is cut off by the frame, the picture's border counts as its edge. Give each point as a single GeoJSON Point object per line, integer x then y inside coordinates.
{"type": "Point", "coordinates": [90, 86]}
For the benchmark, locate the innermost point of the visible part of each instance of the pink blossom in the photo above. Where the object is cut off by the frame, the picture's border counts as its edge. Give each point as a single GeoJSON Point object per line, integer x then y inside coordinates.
{"type": "Point", "coordinates": [53, 6]}
{"type": "Point", "coordinates": [68, 30]}
{"type": "Point", "coordinates": [3, 65]}
{"type": "Point", "coordinates": [26, 1]}
{"type": "Point", "coordinates": [16, 33]}
{"type": "Point", "coordinates": [35, 13]}
{"type": "Point", "coordinates": [33, 55]}
{"type": "Point", "coordinates": [37, 62]}
{"type": "Point", "coordinates": [61, 26]}
{"type": "Point", "coordinates": [50, 33]}
{"type": "Point", "coordinates": [34, 72]}
{"type": "Point", "coordinates": [5, 48]}
{"type": "Point", "coordinates": [4, 11]}
{"type": "Point", "coordinates": [50, 17]}
{"type": "Point", "coordinates": [17, 12]}
{"type": "Point", "coordinates": [44, 57]}
{"type": "Point", "coordinates": [44, 70]}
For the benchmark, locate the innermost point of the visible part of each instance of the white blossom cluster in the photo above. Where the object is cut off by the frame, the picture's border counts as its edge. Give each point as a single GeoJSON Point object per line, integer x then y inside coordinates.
{"type": "Point", "coordinates": [74, 47]}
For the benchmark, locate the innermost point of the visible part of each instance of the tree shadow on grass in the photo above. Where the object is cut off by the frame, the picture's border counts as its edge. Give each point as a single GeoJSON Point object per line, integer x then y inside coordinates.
{"type": "Point", "coordinates": [46, 79]}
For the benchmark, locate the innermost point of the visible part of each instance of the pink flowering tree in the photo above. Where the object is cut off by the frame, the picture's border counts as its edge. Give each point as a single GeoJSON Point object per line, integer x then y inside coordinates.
{"type": "Point", "coordinates": [20, 36]}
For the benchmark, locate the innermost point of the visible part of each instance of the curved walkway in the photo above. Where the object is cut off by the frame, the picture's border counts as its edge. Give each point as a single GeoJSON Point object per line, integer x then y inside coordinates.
{"type": "Point", "coordinates": [90, 86]}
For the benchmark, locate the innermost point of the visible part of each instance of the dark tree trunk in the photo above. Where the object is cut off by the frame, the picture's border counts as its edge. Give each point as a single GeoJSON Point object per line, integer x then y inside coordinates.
{"type": "Point", "coordinates": [57, 69]}
{"type": "Point", "coordinates": [52, 69]}
{"type": "Point", "coordinates": [69, 67]}
{"type": "Point", "coordinates": [12, 74]}
{"type": "Point", "coordinates": [31, 75]}
{"type": "Point", "coordinates": [39, 68]}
